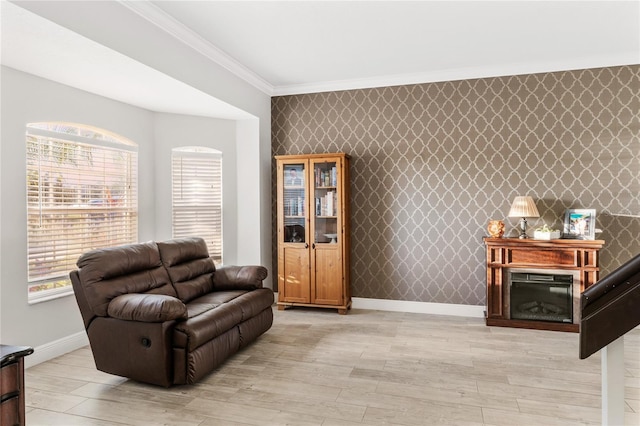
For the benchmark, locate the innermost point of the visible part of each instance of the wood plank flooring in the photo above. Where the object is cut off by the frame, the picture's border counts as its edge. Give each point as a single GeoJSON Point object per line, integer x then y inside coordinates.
{"type": "Point", "coordinates": [315, 367]}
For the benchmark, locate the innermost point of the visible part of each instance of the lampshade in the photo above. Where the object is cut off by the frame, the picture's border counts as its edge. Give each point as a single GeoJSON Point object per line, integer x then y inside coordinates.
{"type": "Point", "coordinates": [523, 207]}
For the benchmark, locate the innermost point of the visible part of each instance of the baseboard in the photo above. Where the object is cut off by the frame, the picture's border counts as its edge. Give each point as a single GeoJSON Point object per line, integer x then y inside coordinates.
{"type": "Point", "coordinates": [56, 348]}
{"type": "Point", "coordinates": [472, 311]}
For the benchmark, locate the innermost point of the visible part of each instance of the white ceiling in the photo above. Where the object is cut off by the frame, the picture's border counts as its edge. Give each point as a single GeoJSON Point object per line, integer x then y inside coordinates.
{"type": "Point", "coordinates": [40, 47]}
{"type": "Point", "coordinates": [310, 46]}
{"type": "Point", "coordinates": [287, 47]}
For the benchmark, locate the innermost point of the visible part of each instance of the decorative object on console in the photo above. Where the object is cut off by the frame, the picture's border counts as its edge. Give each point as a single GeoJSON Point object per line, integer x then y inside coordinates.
{"type": "Point", "coordinates": [546, 233]}
{"type": "Point", "coordinates": [580, 224]}
{"type": "Point", "coordinates": [496, 228]}
{"type": "Point", "coordinates": [523, 207]}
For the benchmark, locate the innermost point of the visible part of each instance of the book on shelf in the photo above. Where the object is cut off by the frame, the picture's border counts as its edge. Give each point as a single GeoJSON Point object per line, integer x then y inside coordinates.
{"type": "Point", "coordinates": [326, 178]}
{"type": "Point", "coordinates": [294, 207]}
{"type": "Point", "coordinates": [329, 204]}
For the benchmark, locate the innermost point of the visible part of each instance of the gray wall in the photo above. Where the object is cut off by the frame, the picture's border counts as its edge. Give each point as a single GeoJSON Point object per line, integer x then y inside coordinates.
{"type": "Point", "coordinates": [172, 131]}
{"type": "Point", "coordinates": [156, 134]}
{"type": "Point", "coordinates": [433, 163]}
{"type": "Point", "coordinates": [27, 99]}
{"type": "Point", "coordinates": [141, 41]}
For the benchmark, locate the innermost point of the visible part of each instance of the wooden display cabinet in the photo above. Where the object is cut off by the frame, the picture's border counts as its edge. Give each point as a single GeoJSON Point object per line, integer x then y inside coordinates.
{"type": "Point", "coordinates": [579, 258]}
{"type": "Point", "coordinates": [313, 231]}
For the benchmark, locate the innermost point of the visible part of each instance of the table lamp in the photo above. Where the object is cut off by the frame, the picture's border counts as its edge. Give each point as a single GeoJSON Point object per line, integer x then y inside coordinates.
{"type": "Point", "coordinates": [523, 207]}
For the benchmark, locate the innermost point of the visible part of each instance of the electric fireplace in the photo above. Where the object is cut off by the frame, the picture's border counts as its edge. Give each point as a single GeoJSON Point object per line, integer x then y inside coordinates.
{"type": "Point", "coordinates": [507, 256]}
{"type": "Point", "coordinates": [541, 297]}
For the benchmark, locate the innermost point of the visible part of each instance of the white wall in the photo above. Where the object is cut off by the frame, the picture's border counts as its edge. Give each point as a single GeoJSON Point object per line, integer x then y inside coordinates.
{"type": "Point", "coordinates": [41, 324]}
{"type": "Point", "coordinates": [142, 41]}
{"type": "Point", "coordinates": [247, 131]}
{"type": "Point", "coordinates": [26, 99]}
{"type": "Point", "coordinates": [173, 131]}
{"type": "Point", "coordinates": [1, 238]}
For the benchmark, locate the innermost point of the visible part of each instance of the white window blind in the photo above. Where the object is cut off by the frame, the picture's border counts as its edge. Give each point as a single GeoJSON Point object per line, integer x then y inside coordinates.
{"type": "Point", "coordinates": [197, 196]}
{"type": "Point", "coordinates": [81, 195]}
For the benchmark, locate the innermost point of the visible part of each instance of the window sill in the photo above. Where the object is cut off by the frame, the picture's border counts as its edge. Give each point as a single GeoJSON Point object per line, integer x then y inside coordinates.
{"type": "Point", "coordinates": [50, 295]}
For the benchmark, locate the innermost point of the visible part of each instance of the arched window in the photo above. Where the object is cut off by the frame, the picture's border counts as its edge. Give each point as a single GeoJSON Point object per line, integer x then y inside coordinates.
{"type": "Point", "coordinates": [82, 194]}
{"type": "Point", "coordinates": [197, 196]}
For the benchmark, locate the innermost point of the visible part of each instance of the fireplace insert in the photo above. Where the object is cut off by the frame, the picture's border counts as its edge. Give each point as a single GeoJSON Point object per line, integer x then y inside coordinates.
{"type": "Point", "coordinates": [541, 297]}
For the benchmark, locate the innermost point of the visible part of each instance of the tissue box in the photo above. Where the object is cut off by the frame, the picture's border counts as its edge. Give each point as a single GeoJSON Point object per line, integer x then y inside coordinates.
{"type": "Point", "coordinates": [541, 235]}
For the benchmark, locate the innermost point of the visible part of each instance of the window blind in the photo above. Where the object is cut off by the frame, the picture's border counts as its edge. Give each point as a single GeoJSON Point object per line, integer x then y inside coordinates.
{"type": "Point", "coordinates": [197, 196]}
{"type": "Point", "coordinates": [81, 195]}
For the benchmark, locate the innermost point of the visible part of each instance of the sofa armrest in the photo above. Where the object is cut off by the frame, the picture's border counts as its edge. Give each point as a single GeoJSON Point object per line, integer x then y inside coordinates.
{"type": "Point", "coordinates": [239, 277]}
{"type": "Point", "coordinates": [147, 308]}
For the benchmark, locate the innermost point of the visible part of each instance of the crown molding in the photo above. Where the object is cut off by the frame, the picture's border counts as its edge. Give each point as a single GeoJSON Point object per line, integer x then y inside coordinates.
{"type": "Point", "coordinates": [502, 70]}
{"type": "Point", "coordinates": [178, 30]}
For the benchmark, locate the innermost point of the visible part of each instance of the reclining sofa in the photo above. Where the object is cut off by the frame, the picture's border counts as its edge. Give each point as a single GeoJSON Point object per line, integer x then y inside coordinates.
{"type": "Point", "coordinates": [161, 313]}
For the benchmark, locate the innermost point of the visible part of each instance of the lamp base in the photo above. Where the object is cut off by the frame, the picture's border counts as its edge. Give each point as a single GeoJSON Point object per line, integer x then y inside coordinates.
{"type": "Point", "coordinates": [523, 229]}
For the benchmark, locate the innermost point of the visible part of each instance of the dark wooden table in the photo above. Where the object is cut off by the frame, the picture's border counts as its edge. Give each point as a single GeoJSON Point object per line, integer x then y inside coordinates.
{"type": "Point", "coordinates": [12, 384]}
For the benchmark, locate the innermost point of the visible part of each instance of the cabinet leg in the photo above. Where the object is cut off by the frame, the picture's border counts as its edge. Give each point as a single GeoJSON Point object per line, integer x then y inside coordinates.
{"type": "Point", "coordinates": [281, 307]}
{"type": "Point", "coordinates": [342, 311]}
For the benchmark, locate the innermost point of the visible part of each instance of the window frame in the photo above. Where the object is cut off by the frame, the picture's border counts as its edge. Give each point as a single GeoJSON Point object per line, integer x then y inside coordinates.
{"type": "Point", "coordinates": [195, 207]}
{"type": "Point", "coordinates": [67, 206]}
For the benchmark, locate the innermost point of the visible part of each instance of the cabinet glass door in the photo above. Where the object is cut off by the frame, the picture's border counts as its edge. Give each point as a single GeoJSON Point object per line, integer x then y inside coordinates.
{"type": "Point", "coordinates": [326, 257]}
{"type": "Point", "coordinates": [325, 202]}
{"type": "Point", "coordinates": [293, 232]}
{"type": "Point", "coordinates": [294, 203]}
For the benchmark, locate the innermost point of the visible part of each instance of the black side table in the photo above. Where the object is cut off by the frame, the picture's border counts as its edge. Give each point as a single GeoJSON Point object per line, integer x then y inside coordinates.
{"type": "Point", "coordinates": [12, 384]}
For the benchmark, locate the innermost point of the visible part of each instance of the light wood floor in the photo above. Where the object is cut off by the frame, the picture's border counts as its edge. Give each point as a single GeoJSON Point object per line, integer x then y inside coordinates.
{"type": "Point", "coordinates": [316, 367]}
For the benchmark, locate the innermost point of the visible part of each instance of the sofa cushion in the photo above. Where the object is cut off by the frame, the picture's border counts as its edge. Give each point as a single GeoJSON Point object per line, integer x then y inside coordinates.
{"type": "Point", "coordinates": [110, 272]}
{"type": "Point", "coordinates": [215, 313]}
{"type": "Point", "coordinates": [188, 263]}
{"type": "Point", "coordinates": [210, 324]}
{"type": "Point", "coordinates": [147, 308]}
{"type": "Point", "coordinates": [209, 301]}
{"type": "Point", "coordinates": [253, 302]}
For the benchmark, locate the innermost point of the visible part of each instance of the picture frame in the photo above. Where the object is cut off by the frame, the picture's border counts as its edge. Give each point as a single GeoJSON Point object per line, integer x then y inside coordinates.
{"type": "Point", "coordinates": [294, 175]}
{"type": "Point", "coordinates": [580, 224]}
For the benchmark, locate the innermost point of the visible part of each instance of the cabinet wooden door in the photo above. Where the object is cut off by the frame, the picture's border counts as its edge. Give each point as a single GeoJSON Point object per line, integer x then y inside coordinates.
{"type": "Point", "coordinates": [326, 283]}
{"type": "Point", "coordinates": [294, 270]}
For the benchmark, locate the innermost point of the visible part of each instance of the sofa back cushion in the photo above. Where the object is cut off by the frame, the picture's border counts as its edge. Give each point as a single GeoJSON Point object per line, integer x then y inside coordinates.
{"type": "Point", "coordinates": [189, 265]}
{"type": "Point", "coordinates": [110, 272]}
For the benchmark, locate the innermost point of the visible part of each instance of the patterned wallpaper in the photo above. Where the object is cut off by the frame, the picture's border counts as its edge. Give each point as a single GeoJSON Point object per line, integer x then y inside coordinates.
{"type": "Point", "coordinates": [433, 163]}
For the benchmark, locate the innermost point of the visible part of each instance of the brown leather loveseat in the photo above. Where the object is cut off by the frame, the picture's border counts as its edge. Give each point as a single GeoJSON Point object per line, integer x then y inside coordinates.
{"type": "Point", "coordinates": [160, 312]}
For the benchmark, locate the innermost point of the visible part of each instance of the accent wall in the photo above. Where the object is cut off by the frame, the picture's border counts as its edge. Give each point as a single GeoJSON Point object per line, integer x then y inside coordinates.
{"type": "Point", "coordinates": [433, 163]}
